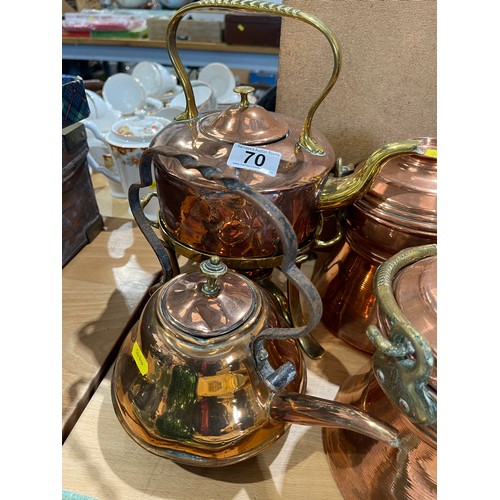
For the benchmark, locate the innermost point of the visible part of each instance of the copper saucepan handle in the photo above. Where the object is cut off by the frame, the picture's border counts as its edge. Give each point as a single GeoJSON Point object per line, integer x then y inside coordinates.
{"type": "Point", "coordinates": [191, 111]}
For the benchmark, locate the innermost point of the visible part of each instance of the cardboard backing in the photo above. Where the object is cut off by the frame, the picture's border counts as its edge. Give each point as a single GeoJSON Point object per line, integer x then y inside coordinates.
{"type": "Point", "coordinates": [387, 88]}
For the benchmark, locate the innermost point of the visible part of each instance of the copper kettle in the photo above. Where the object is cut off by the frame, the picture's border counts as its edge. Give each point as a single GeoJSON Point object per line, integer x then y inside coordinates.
{"type": "Point", "coordinates": [289, 162]}
{"type": "Point", "coordinates": [398, 385]}
{"type": "Point", "coordinates": [211, 374]}
{"type": "Point", "coordinates": [399, 210]}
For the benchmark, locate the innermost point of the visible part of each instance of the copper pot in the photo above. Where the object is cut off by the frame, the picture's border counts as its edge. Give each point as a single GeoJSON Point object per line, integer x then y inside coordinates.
{"type": "Point", "coordinates": [399, 385]}
{"type": "Point", "coordinates": [398, 211]}
{"type": "Point", "coordinates": [289, 162]}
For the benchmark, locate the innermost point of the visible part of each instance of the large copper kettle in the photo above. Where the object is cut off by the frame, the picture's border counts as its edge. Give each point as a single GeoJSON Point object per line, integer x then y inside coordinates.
{"type": "Point", "coordinates": [289, 162]}
{"type": "Point", "coordinates": [398, 385]}
{"type": "Point", "coordinates": [399, 210]}
{"type": "Point", "coordinates": [211, 374]}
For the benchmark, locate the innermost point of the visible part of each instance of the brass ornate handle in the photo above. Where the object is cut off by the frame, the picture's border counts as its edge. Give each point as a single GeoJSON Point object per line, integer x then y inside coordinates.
{"type": "Point", "coordinates": [191, 111]}
{"type": "Point", "coordinates": [403, 362]}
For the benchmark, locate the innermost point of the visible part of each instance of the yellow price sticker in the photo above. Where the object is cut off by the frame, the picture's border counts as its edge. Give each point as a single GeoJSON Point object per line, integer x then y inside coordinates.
{"type": "Point", "coordinates": [139, 359]}
{"type": "Point", "coordinates": [433, 153]}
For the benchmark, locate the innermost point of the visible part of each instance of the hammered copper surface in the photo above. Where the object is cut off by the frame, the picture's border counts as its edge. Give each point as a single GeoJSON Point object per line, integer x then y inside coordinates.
{"type": "Point", "coordinates": [365, 469]}
{"type": "Point", "coordinates": [398, 211]}
{"type": "Point", "coordinates": [190, 205]}
{"type": "Point", "coordinates": [202, 216]}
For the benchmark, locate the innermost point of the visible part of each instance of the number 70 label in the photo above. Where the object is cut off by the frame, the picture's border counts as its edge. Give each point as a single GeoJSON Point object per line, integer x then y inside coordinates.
{"type": "Point", "coordinates": [252, 158]}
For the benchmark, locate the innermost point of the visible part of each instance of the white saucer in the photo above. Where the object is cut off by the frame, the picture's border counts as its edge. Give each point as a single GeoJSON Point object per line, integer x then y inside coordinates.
{"type": "Point", "coordinates": [168, 96]}
{"type": "Point", "coordinates": [219, 77]}
{"type": "Point", "coordinates": [202, 97]}
{"type": "Point", "coordinates": [230, 98]}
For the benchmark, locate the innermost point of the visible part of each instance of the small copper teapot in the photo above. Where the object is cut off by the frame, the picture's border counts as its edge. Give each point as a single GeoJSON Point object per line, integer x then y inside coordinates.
{"type": "Point", "coordinates": [212, 374]}
{"type": "Point", "coordinates": [278, 156]}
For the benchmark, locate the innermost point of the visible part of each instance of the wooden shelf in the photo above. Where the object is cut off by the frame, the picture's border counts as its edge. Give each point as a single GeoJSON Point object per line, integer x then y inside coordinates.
{"type": "Point", "coordinates": [195, 54]}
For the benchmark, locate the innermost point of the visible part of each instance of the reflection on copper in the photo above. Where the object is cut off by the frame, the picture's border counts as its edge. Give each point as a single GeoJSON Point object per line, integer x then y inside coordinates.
{"type": "Point", "coordinates": [365, 468]}
{"type": "Point", "coordinates": [193, 312]}
{"type": "Point", "coordinates": [193, 382]}
{"type": "Point", "coordinates": [349, 302]}
{"type": "Point", "coordinates": [398, 211]}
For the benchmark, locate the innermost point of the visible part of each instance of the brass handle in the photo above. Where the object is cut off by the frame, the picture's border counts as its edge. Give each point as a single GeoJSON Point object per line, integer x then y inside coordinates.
{"type": "Point", "coordinates": [403, 362]}
{"type": "Point", "coordinates": [191, 111]}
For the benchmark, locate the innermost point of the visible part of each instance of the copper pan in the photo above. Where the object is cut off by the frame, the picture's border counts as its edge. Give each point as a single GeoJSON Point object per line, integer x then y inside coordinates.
{"type": "Point", "coordinates": [398, 211]}
{"type": "Point", "coordinates": [399, 385]}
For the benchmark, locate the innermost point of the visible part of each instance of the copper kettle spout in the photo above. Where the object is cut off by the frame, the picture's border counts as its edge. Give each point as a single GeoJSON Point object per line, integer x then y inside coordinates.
{"type": "Point", "coordinates": [338, 192]}
{"type": "Point", "coordinates": [309, 410]}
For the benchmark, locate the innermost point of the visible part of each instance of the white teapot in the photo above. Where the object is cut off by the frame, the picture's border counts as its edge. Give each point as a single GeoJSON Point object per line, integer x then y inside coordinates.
{"type": "Point", "coordinates": [126, 140]}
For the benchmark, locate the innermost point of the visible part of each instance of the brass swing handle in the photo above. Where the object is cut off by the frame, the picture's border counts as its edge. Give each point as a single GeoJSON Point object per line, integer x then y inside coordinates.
{"type": "Point", "coordinates": [191, 111]}
{"type": "Point", "coordinates": [404, 361]}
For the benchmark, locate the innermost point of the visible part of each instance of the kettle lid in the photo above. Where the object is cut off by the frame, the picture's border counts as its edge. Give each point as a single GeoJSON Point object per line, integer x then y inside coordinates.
{"type": "Point", "coordinates": [244, 122]}
{"type": "Point", "coordinates": [209, 303]}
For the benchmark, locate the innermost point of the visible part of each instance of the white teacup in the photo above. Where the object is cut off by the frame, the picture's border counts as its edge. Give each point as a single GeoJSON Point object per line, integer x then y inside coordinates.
{"type": "Point", "coordinates": [204, 97]}
{"type": "Point", "coordinates": [97, 105]}
{"type": "Point", "coordinates": [154, 77]}
{"type": "Point", "coordinates": [221, 78]}
{"type": "Point", "coordinates": [168, 80]}
{"type": "Point", "coordinates": [126, 95]}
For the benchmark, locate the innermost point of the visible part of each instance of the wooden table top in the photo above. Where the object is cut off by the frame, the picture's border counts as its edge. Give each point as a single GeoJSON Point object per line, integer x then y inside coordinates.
{"type": "Point", "coordinates": [102, 289]}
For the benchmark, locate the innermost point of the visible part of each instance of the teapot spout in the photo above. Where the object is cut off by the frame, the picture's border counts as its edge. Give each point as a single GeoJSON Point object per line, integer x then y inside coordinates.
{"type": "Point", "coordinates": [338, 192]}
{"type": "Point", "coordinates": [308, 410]}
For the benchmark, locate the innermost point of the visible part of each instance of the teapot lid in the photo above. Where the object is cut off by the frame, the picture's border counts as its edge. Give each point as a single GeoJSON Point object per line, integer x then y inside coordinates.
{"type": "Point", "coordinates": [209, 303]}
{"type": "Point", "coordinates": [244, 122]}
{"type": "Point", "coordinates": [139, 127]}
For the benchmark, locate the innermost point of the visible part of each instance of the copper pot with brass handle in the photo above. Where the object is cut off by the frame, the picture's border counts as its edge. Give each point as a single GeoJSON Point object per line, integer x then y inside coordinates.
{"type": "Point", "coordinates": [398, 385]}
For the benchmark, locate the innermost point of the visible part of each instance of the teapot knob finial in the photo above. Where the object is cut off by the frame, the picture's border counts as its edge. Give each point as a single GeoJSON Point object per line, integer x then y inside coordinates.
{"type": "Point", "coordinates": [244, 90]}
{"type": "Point", "coordinates": [212, 269]}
